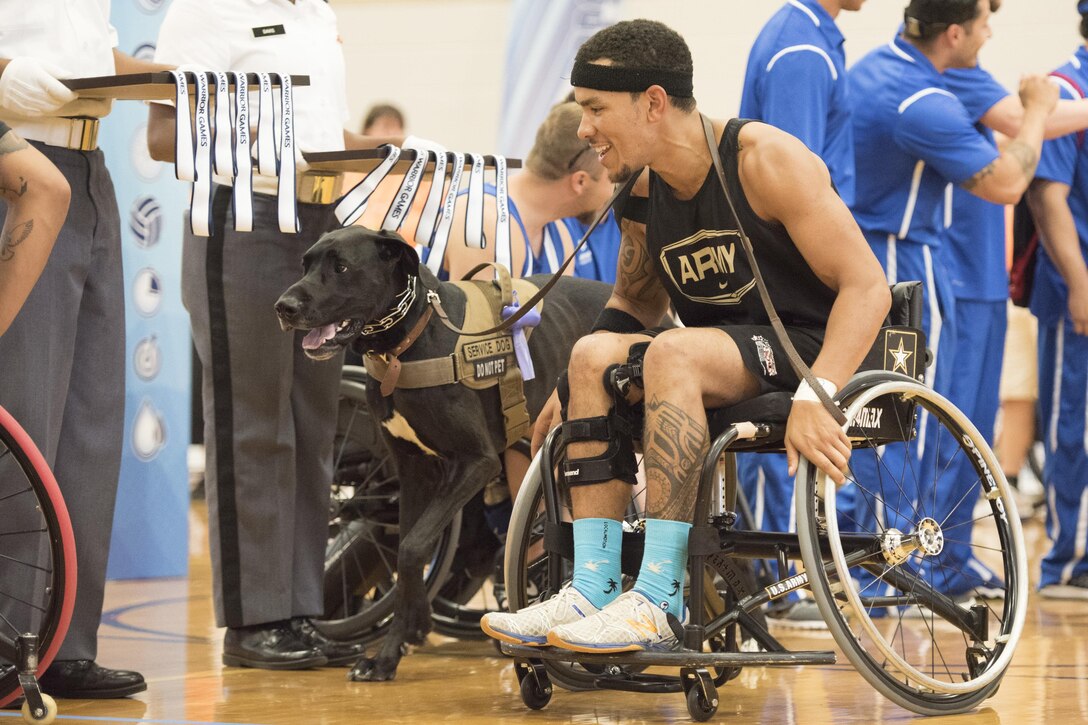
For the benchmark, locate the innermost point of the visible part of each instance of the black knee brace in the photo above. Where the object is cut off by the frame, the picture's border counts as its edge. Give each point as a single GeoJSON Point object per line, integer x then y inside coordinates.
{"type": "Point", "coordinates": [617, 462]}
{"type": "Point", "coordinates": [618, 379]}
{"type": "Point", "coordinates": [562, 388]}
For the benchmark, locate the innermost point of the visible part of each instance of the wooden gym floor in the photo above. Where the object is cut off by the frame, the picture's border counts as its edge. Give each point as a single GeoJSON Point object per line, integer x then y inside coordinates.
{"type": "Point", "coordinates": [164, 629]}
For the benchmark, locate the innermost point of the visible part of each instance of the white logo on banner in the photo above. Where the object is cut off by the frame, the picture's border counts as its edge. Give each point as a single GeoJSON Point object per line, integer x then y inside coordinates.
{"type": "Point", "coordinates": [144, 51]}
{"type": "Point", "coordinates": [147, 358]}
{"type": "Point", "coordinates": [145, 221]}
{"type": "Point", "coordinates": [147, 292]}
{"type": "Point", "coordinates": [148, 432]}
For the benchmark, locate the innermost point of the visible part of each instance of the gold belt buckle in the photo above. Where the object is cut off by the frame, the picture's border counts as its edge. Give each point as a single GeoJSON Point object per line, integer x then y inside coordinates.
{"type": "Point", "coordinates": [319, 187]}
{"type": "Point", "coordinates": [83, 134]}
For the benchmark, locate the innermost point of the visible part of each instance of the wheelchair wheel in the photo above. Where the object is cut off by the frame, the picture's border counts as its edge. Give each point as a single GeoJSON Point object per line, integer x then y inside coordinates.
{"type": "Point", "coordinates": [37, 555]}
{"type": "Point", "coordinates": [361, 556]}
{"type": "Point", "coordinates": [928, 651]}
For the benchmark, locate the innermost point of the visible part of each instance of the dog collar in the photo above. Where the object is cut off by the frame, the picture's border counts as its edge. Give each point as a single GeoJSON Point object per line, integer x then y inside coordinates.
{"type": "Point", "coordinates": [396, 313]}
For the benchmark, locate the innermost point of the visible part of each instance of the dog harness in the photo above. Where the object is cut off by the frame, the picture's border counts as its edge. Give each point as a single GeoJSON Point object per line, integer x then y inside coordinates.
{"type": "Point", "coordinates": [475, 362]}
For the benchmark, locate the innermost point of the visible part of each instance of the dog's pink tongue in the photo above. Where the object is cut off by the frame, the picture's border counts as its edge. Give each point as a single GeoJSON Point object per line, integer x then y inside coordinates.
{"type": "Point", "coordinates": [317, 336]}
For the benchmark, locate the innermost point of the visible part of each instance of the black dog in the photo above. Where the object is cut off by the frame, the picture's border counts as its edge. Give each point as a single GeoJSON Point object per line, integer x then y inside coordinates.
{"type": "Point", "coordinates": [446, 440]}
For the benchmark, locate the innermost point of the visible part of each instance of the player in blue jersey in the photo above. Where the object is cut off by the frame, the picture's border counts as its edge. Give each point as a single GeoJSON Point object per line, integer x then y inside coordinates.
{"type": "Point", "coordinates": [562, 178]}
{"type": "Point", "coordinates": [796, 81]}
{"type": "Point", "coordinates": [975, 255]}
{"type": "Point", "coordinates": [1059, 204]}
{"type": "Point", "coordinates": [913, 138]}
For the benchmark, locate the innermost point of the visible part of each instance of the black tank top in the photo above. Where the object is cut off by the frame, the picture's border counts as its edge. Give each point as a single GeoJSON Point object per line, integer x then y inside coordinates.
{"type": "Point", "coordinates": [701, 261]}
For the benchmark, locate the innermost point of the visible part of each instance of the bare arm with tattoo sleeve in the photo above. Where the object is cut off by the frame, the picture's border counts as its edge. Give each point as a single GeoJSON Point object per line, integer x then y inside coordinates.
{"type": "Point", "coordinates": [638, 291]}
{"type": "Point", "coordinates": [1006, 179]}
{"type": "Point", "coordinates": [37, 197]}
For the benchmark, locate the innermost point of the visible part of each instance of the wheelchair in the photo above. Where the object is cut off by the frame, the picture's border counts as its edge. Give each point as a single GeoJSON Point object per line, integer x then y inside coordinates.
{"type": "Point", "coordinates": [37, 571]}
{"type": "Point", "coordinates": [361, 555]}
{"type": "Point", "coordinates": [871, 578]}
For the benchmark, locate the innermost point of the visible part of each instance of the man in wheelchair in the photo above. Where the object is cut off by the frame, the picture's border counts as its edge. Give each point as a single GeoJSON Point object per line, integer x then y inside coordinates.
{"type": "Point", "coordinates": [682, 245]}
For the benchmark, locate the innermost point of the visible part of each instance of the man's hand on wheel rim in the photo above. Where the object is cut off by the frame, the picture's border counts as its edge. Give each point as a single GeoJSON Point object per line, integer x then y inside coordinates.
{"type": "Point", "coordinates": [812, 432]}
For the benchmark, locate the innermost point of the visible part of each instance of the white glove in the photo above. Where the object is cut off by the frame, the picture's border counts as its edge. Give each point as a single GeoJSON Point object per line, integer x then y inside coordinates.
{"type": "Point", "coordinates": [29, 88]}
{"type": "Point", "coordinates": [422, 144]}
{"type": "Point", "coordinates": [85, 107]}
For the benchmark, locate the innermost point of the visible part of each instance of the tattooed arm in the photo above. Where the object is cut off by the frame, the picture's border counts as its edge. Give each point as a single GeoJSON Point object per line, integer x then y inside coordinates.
{"type": "Point", "coordinates": [1006, 179]}
{"type": "Point", "coordinates": [638, 291]}
{"type": "Point", "coordinates": [36, 195]}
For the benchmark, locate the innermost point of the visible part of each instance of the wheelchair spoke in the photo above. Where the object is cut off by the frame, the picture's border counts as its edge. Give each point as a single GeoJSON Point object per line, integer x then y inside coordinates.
{"type": "Point", "coordinates": [918, 662]}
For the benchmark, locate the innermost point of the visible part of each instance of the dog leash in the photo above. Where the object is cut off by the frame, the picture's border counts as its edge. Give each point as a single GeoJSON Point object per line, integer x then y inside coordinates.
{"type": "Point", "coordinates": [803, 371]}
{"type": "Point", "coordinates": [435, 301]}
{"type": "Point", "coordinates": [389, 384]}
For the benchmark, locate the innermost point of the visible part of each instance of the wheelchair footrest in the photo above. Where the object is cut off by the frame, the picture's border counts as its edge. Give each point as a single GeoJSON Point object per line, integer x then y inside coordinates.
{"type": "Point", "coordinates": [675, 658]}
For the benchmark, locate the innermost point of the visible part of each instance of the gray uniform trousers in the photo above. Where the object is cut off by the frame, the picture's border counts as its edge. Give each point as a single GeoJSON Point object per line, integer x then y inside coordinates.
{"type": "Point", "coordinates": [62, 375]}
{"type": "Point", "coordinates": [269, 416]}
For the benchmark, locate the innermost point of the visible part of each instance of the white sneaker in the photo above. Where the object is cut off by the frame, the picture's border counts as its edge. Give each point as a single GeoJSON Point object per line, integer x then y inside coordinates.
{"type": "Point", "coordinates": [629, 624]}
{"type": "Point", "coordinates": [802, 614]}
{"type": "Point", "coordinates": [529, 626]}
{"type": "Point", "coordinates": [1075, 588]}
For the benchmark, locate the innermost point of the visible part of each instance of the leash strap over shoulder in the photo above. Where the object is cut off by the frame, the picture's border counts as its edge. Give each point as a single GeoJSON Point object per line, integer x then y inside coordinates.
{"type": "Point", "coordinates": [803, 371]}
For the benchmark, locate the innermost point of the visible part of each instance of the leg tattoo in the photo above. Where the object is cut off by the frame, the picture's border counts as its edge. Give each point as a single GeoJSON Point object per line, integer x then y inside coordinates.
{"type": "Point", "coordinates": [676, 445]}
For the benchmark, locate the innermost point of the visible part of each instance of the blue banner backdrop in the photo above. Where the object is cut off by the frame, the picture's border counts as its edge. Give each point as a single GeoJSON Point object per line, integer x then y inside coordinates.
{"type": "Point", "coordinates": [150, 526]}
{"type": "Point", "coordinates": [540, 49]}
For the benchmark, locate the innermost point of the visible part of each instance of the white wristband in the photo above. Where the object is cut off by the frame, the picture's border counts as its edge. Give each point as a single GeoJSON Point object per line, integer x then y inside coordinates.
{"type": "Point", "coordinates": [805, 391]}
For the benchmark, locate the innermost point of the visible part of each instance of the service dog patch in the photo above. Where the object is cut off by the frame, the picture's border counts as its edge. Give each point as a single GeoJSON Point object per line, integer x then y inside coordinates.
{"type": "Point", "coordinates": [489, 348]}
{"type": "Point", "coordinates": [490, 367]}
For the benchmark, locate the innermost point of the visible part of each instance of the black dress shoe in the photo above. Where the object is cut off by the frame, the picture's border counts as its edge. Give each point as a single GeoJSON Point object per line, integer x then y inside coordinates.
{"type": "Point", "coordinates": [85, 680]}
{"type": "Point", "coordinates": [339, 654]}
{"type": "Point", "coordinates": [269, 647]}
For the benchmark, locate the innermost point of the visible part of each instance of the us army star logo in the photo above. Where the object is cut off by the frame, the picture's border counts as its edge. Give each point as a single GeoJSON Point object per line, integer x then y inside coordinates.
{"type": "Point", "coordinates": [901, 356]}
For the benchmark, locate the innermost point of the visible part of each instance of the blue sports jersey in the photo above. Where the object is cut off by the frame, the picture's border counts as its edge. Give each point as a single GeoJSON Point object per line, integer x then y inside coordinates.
{"type": "Point", "coordinates": [912, 137]}
{"type": "Point", "coordinates": [1061, 162]}
{"type": "Point", "coordinates": [796, 81]}
{"type": "Point", "coordinates": [976, 238]}
{"type": "Point", "coordinates": [598, 259]}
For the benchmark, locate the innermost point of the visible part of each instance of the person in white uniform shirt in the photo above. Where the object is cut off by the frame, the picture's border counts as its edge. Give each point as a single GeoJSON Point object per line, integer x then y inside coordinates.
{"type": "Point", "coordinates": [269, 411]}
{"type": "Point", "coordinates": [63, 371]}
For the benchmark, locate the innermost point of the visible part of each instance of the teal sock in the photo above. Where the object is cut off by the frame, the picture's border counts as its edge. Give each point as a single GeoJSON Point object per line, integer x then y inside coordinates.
{"type": "Point", "coordinates": [664, 561]}
{"type": "Point", "coordinates": [597, 546]}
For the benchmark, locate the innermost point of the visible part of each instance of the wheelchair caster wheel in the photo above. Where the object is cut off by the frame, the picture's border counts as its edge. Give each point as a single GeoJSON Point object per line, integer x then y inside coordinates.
{"type": "Point", "coordinates": [698, 707]}
{"type": "Point", "coordinates": [536, 688]}
{"type": "Point", "coordinates": [42, 717]}
{"type": "Point", "coordinates": [534, 694]}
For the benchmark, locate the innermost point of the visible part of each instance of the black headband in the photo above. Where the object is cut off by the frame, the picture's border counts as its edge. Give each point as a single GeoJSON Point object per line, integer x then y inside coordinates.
{"type": "Point", "coordinates": [633, 80]}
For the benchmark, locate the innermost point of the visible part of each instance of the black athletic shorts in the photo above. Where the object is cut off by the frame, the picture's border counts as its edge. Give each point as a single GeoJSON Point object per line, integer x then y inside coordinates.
{"type": "Point", "coordinates": [764, 356]}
